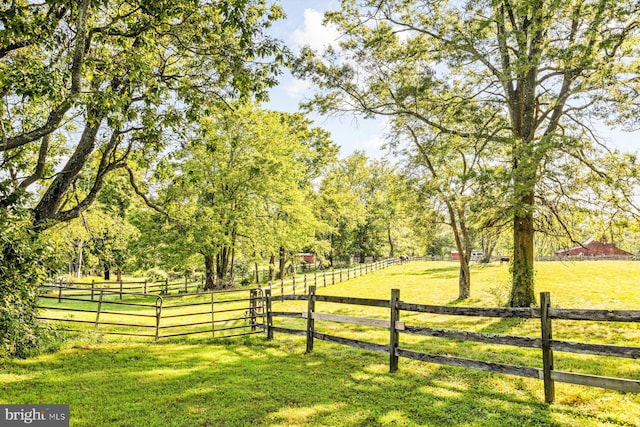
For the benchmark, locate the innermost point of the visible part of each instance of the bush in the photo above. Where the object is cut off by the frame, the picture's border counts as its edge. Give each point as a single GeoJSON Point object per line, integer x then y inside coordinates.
{"type": "Point", "coordinates": [23, 261]}
{"type": "Point", "coordinates": [156, 274]}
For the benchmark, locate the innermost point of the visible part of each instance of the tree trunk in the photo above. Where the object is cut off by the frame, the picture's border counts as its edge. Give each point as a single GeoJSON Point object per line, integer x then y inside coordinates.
{"type": "Point", "coordinates": [282, 263]}
{"type": "Point", "coordinates": [78, 265]}
{"type": "Point", "coordinates": [392, 249]}
{"type": "Point", "coordinates": [464, 279]}
{"type": "Point", "coordinates": [272, 266]}
{"type": "Point", "coordinates": [522, 294]}
{"type": "Point", "coordinates": [51, 200]}
{"type": "Point", "coordinates": [210, 272]}
{"type": "Point", "coordinates": [223, 260]}
{"type": "Point", "coordinates": [257, 272]}
{"type": "Point", "coordinates": [362, 257]}
{"type": "Point", "coordinates": [107, 274]}
{"type": "Point", "coordinates": [463, 245]}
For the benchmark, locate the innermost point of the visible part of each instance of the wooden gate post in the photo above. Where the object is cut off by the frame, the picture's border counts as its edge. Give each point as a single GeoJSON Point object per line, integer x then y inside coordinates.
{"type": "Point", "coordinates": [547, 353]}
{"type": "Point", "coordinates": [213, 320]}
{"type": "Point", "coordinates": [267, 297]}
{"type": "Point", "coordinates": [253, 296]}
{"type": "Point", "coordinates": [99, 310]}
{"type": "Point", "coordinates": [158, 316]}
{"type": "Point", "coordinates": [310, 324]}
{"type": "Point", "coordinates": [393, 333]}
{"type": "Point", "coordinates": [59, 291]}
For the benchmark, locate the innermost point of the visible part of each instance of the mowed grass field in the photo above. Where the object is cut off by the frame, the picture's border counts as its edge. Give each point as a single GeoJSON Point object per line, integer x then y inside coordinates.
{"type": "Point", "coordinates": [112, 381]}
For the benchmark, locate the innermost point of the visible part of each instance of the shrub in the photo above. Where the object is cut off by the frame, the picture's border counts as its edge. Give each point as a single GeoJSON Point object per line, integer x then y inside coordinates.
{"type": "Point", "coordinates": [156, 274]}
{"type": "Point", "coordinates": [23, 261]}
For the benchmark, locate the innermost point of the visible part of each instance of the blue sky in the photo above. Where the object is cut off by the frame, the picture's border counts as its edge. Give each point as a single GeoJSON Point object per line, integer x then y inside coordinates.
{"type": "Point", "coordinates": [304, 26]}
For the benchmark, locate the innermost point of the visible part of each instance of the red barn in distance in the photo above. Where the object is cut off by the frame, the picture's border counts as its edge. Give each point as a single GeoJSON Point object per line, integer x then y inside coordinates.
{"type": "Point", "coordinates": [595, 249]}
{"type": "Point", "coordinates": [306, 257]}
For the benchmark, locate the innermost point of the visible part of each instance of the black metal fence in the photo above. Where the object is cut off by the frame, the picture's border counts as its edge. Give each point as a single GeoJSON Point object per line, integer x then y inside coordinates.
{"type": "Point", "coordinates": [111, 311]}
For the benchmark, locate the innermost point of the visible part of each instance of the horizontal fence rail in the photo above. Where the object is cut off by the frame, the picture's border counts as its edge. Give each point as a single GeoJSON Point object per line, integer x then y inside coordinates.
{"type": "Point", "coordinates": [298, 285]}
{"type": "Point", "coordinates": [217, 313]}
{"type": "Point", "coordinates": [179, 307]}
{"type": "Point", "coordinates": [545, 343]}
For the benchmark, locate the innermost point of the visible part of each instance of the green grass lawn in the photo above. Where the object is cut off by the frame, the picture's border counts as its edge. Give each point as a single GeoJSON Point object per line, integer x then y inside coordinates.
{"type": "Point", "coordinates": [111, 381]}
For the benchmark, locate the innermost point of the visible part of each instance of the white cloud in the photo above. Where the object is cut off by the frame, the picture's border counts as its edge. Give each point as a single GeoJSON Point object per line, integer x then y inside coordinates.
{"type": "Point", "coordinates": [373, 143]}
{"type": "Point", "coordinates": [296, 88]}
{"type": "Point", "coordinates": [314, 33]}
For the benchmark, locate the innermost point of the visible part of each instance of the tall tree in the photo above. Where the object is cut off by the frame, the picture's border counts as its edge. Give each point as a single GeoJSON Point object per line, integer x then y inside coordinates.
{"type": "Point", "coordinates": [540, 70]}
{"type": "Point", "coordinates": [127, 75]}
{"type": "Point", "coordinates": [240, 183]}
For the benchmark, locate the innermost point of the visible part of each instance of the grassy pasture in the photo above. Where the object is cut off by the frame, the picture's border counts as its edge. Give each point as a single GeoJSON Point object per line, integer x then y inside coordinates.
{"type": "Point", "coordinates": [249, 381]}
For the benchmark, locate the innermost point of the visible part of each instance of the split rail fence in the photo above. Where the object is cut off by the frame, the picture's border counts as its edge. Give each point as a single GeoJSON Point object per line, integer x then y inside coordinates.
{"type": "Point", "coordinates": [545, 343]}
{"type": "Point", "coordinates": [295, 285]}
{"type": "Point", "coordinates": [148, 309]}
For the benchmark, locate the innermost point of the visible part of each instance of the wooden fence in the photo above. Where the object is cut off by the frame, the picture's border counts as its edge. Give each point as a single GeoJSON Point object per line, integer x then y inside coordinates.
{"type": "Point", "coordinates": [146, 287]}
{"type": "Point", "coordinates": [160, 313]}
{"type": "Point", "coordinates": [295, 285]}
{"type": "Point", "coordinates": [300, 285]}
{"type": "Point", "coordinates": [545, 343]}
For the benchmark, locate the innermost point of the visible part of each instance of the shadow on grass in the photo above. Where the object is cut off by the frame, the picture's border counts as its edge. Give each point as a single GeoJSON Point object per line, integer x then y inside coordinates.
{"type": "Point", "coordinates": [503, 326]}
{"type": "Point", "coordinates": [253, 382]}
{"type": "Point", "coordinates": [435, 273]}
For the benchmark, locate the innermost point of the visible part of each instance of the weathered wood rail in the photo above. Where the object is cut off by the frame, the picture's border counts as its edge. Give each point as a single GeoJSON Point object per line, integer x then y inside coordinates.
{"type": "Point", "coordinates": [545, 343]}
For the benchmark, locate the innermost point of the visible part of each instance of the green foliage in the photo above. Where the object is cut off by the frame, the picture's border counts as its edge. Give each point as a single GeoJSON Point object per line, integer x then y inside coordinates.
{"type": "Point", "coordinates": [156, 274]}
{"type": "Point", "coordinates": [121, 66]}
{"type": "Point", "coordinates": [204, 381]}
{"type": "Point", "coordinates": [241, 188]}
{"type": "Point", "coordinates": [23, 266]}
{"type": "Point", "coordinates": [518, 83]}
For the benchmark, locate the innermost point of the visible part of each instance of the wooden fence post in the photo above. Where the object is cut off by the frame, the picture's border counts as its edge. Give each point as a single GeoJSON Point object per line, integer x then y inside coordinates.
{"type": "Point", "coordinates": [120, 289]}
{"type": "Point", "coordinates": [158, 316]}
{"type": "Point", "coordinates": [547, 353]}
{"type": "Point", "coordinates": [253, 295]}
{"type": "Point", "coordinates": [93, 286]}
{"type": "Point", "coordinates": [305, 283]}
{"type": "Point", "coordinates": [59, 291]}
{"type": "Point", "coordinates": [213, 323]}
{"type": "Point", "coordinates": [99, 309]}
{"type": "Point", "coordinates": [145, 286]}
{"type": "Point", "coordinates": [310, 323]}
{"type": "Point", "coordinates": [267, 295]}
{"type": "Point", "coordinates": [393, 333]}
{"type": "Point", "coordinates": [186, 289]}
